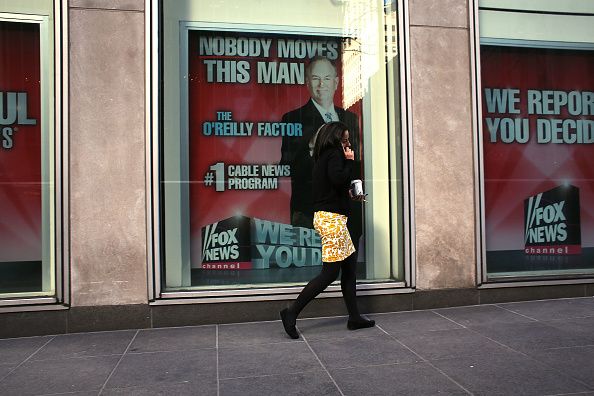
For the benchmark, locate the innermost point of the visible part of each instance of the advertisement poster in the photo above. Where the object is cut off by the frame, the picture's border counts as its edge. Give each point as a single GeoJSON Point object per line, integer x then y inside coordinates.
{"type": "Point", "coordinates": [20, 145]}
{"type": "Point", "coordinates": [251, 121]}
{"type": "Point", "coordinates": [538, 142]}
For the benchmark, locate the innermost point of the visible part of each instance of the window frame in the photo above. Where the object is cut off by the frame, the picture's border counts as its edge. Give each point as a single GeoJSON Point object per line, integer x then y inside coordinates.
{"type": "Point", "coordinates": [54, 122]}
{"type": "Point", "coordinates": [482, 277]}
{"type": "Point", "coordinates": [400, 104]}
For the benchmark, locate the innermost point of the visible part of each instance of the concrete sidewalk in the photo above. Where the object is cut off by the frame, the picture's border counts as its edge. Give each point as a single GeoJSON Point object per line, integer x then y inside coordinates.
{"type": "Point", "coordinates": [525, 348]}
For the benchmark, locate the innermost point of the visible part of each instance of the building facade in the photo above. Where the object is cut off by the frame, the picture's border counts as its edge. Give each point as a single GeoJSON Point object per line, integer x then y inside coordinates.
{"type": "Point", "coordinates": [155, 156]}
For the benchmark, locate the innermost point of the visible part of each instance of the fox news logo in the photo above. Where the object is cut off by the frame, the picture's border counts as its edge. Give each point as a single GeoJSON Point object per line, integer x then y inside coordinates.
{"type": "Point", "coordinates": [552, 222]}
{"type": "Point", "coordinates": [226, 245]}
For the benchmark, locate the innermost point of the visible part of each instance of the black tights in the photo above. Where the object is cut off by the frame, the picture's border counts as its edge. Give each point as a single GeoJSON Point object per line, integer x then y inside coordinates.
{"type": "Point", "coordinates": [329, 273]}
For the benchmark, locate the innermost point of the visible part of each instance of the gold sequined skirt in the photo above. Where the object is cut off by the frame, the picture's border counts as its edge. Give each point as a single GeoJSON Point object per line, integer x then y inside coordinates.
{"type": "Point", "coordinates": [336, 241]}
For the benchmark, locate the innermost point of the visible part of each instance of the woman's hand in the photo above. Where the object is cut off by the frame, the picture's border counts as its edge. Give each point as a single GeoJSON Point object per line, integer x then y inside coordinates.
{"type": "Point", "coordinates": [358, 198]}
{"type": "Point", "coordinates": [349, 154]}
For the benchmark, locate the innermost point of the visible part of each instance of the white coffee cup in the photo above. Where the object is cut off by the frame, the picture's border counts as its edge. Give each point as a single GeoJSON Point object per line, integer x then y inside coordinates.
{"type": "Point", "coordinates": [356, 188]}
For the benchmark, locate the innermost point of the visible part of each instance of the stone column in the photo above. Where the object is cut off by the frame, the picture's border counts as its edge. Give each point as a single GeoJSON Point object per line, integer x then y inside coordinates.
{"type": "Point", "coordinates": [443, 144]}
{"type": "Point", "coordinates": [108, 258]}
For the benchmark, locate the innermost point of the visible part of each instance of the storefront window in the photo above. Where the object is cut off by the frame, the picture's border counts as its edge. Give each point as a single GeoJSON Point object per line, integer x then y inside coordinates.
{"type": "Point", "coordinates": [244, 89]}
{"type": "Point", "coordinates": [27, 262]}
{"type": "Point", "coordinates": [538, 139]}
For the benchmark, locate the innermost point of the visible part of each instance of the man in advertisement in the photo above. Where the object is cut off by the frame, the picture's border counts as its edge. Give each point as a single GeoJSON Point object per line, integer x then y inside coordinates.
{"type": "Point", "coordinates": [321, 80]}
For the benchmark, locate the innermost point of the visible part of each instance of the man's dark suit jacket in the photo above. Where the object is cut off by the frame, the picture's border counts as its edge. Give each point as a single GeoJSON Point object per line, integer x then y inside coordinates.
{"type": "Point", "coordinates": [295, 152]}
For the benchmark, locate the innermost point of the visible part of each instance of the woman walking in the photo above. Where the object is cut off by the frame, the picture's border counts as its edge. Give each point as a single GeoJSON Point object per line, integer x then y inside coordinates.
{"type": "Point", "coordinates": [333, 162]}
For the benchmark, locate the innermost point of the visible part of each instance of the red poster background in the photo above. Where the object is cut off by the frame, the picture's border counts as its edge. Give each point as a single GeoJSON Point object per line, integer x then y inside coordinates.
{"type": "Point", "coordinates": [249, 102]}
{"type": "Point", "coordinates": [515, 171]}
{"type": "Point", "coordinates": [20, 166]}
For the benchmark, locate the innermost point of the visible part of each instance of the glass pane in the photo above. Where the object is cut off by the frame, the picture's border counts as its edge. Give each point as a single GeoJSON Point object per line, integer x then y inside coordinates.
{"type": "Point", "coordinates": [538, 143]}
{"type": "Point", "coordinates": [237, 189]}
{"type": "Point", "coordinates": [26, 265]}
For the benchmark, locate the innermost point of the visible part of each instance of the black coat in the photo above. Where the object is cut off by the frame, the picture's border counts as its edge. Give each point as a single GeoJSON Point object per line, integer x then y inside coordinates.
{"type": "Point", "coordinates": [331, 182]}
{"type": "Point", "coordinates": [295, 151]}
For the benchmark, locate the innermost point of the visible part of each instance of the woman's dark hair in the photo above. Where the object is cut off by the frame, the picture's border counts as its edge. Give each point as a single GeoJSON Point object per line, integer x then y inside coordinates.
{"type": "Point", "coordinates": [329, 136]}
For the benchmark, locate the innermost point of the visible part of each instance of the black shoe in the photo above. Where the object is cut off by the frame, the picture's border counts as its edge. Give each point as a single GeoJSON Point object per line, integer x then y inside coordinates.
{"type": "Point", "coordinates": [360, 323]}
{"type": "Point", "coordinates": [289, 323]}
